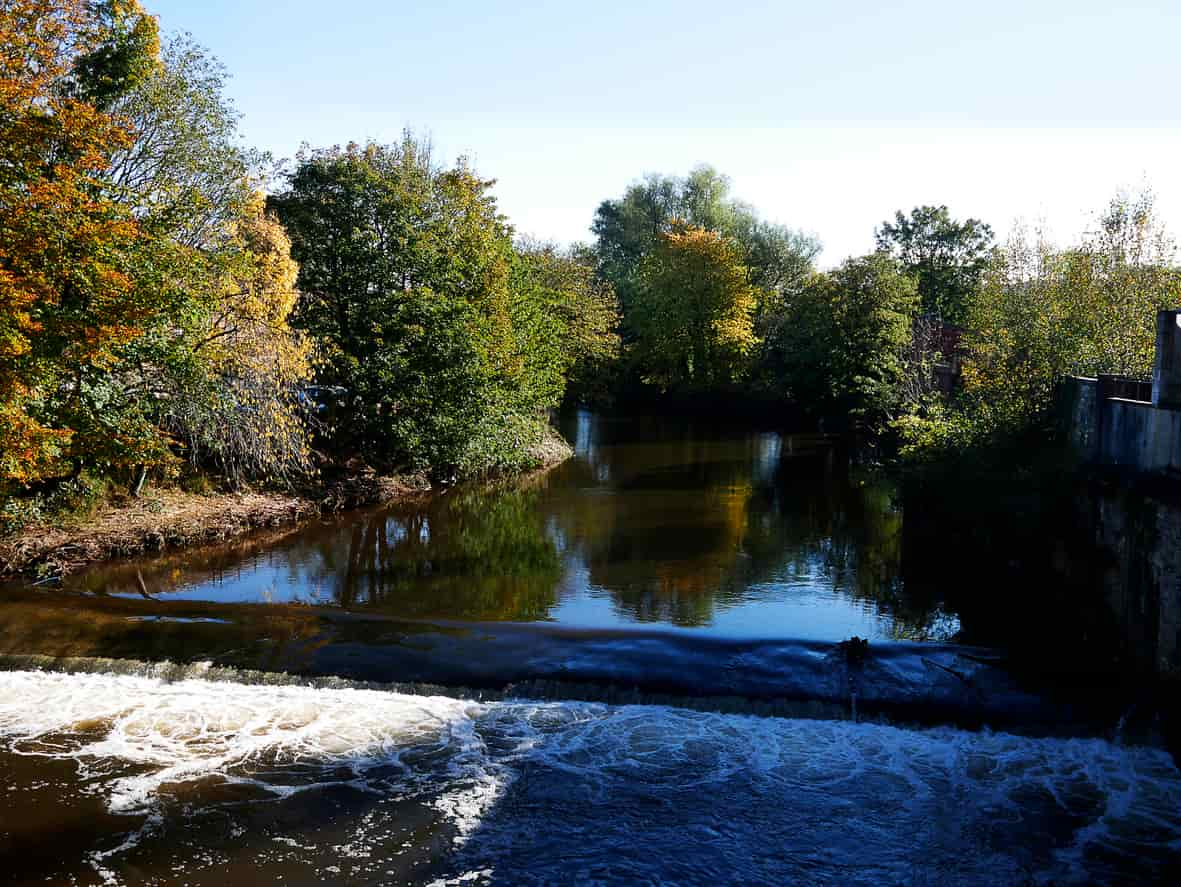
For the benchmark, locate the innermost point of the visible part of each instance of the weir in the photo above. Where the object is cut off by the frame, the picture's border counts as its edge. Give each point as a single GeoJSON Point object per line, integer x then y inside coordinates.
{"type": "Point", "coordinates": [898, 682]}
{"type": "Point", "coordinates": [656, 638]}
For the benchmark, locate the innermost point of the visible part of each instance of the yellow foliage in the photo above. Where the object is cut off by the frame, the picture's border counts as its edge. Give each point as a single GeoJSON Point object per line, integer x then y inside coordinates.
{"type": "Point", "coordinates": [695, 309]}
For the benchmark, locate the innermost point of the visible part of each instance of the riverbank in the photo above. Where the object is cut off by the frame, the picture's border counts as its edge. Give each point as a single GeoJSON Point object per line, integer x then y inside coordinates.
{"type": "Point", "coordinates": [168, 519]}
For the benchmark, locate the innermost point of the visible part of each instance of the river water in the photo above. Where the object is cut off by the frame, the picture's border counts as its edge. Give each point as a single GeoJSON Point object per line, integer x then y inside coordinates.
{"type": "Point", "coordinates": [711, 565]}
{"type": "Point", "coordinates": [654, 523]}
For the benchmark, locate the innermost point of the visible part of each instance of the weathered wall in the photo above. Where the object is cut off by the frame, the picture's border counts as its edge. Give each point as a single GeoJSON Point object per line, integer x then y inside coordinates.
{"type": "Point", "coordinates": [1140, 437]}
{"type": "Point", "coordinates": [1143, 583]}
{"type": "Point", "coordinates": [1080, 399]}
{"type": "Point", "coordinates": [1166, 369]}
{"type": "Point", "coordinates": [1132, 435]}
{"type": "Point", "coordinates": [1135, 510]}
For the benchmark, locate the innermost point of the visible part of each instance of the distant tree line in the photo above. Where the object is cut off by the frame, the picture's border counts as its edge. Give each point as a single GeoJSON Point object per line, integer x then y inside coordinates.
{"type": "Point", "coordinates": [173, 304]}
{"type": "Point", "coordinates": [715, 300]}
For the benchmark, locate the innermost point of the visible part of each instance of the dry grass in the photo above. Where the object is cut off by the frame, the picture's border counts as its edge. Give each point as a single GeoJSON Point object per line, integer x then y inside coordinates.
{"type": "Point", "coordinates": [166, 519]}
{"type": "Point", "coordinates": [170, 519]}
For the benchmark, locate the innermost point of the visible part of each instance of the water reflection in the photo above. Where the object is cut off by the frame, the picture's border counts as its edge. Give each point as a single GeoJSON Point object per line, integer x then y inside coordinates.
{"type": "Point", "coordinates": [470, 555]}
{"type": "Point", "coordinates": [727, 531]}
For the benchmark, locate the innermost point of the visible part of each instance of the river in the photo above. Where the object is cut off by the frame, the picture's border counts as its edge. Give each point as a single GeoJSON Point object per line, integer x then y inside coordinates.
{"type": "Point", "coordinates": [625, 670]}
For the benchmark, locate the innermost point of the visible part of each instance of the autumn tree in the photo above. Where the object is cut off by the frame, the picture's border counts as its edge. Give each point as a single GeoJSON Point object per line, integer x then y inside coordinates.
{"type": "Point", "coordinates": [948, 258]}
{"type": "Point", "coordinates": [221, 374]}
{"type": "Point", "coordinates": [68, 252]}
{"type": "Point", "coordinates": [241, 409]}
{"type": "Point", "coordinates": [777, 259]}
{"type": "Point", "coordinates": [143, 294]}
{"type": "Point", "coordinates": [693, 310]}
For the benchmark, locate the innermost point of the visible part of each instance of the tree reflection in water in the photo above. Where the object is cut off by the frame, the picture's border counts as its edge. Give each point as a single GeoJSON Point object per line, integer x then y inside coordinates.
{"type": "Point", "coordinates": [706, 523]}
{"type": "Point", "coordinates": [467, 555]}
{"type": "Point", "coordinates": [653, 521]}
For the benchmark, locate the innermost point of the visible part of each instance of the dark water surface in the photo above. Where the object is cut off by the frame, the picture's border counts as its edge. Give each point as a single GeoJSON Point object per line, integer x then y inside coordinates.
{"type": "Point", "coordinates": [653, 523]}
{"type": "Point", "coordinates": [714, 566]}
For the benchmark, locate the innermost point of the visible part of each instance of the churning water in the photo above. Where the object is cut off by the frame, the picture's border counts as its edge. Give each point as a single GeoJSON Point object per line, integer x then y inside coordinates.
{"type": "Point", "coordinates": [200, 781]}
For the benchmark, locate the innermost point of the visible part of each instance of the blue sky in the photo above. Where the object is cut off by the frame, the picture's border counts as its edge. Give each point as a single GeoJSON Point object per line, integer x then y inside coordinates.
{"type": "Point", "coordinates": [828, 116]}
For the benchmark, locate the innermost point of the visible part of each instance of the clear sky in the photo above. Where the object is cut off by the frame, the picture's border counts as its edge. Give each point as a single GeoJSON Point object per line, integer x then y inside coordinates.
{"type": "Point", "coordinates": [828, 116]}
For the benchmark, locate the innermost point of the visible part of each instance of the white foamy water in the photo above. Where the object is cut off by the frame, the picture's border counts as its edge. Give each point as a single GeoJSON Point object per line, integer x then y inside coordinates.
{"type": "Point", "coordinates": [578, 792]}
{"type": "Point", "coordinates": [278, 738]}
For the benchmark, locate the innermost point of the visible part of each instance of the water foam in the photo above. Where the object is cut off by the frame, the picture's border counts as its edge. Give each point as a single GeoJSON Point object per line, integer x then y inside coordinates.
{"type": "Point", "coordinates": [545, 791]}
{"type": "Point", "coordinates": [274, 737]}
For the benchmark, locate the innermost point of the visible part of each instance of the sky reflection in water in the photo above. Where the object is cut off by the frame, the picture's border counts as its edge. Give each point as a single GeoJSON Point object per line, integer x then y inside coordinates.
{"type": "Point", "coordinates": [654, 523]}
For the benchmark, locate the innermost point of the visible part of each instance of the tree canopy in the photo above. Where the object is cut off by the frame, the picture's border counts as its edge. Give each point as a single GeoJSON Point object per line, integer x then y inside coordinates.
{"type": "Point", "coordinates": [842, 351]}
{"type": "Point", "coordinates": [448, 347]}
{"type": "Point", "coordinates": [1044, 312]}
{"type": "Point", "coordinates": [777, 258]}
{"type": "Point", "coordinates": [132, 229]}
{"type": "Point", "coordinates": [693, 310]}
{"type": "Point", "coordinates": [68, 251]}
{"type": "Point", "coordinates": [946, 257]}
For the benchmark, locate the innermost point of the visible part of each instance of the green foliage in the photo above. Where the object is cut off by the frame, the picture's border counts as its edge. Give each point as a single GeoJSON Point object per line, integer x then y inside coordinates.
{"type": "Point", "coordinates": [71, 501]}
{"type": "Point", "coordinates": [574, 319]}
{"type": "Point", "coordinates": [143, 296]}
{"type": "Point", "coordinates": [948, 258]}
{"type": "Point", "coordinates": [693, 311]}
{"type": "Point", "coordinates": [407, 271]}
{"type": "Point", "coordinates": [841, 351]}
{"type": "Point", "coordinates": [777, 259]}
{"type": "Point", "coordinates": [122, 45]}
{"type": "Point", "coordinates": [218, 375]}
{"type": "Point", "coordinates": [1043, 313]}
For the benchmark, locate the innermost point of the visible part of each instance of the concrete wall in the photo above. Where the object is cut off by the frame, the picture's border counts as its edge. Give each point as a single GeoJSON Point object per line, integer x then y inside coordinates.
{"type": "Point", "coordinates": [1139, 437]}
{"type": "Point", "coordinates": [1077, 412]}
{"type": "Point", "coordinates": [1143, 584]}
{"type": "Point", "coordinates": [1166, 368]}
{"type": "Point", "coordinates": [1132, 435]}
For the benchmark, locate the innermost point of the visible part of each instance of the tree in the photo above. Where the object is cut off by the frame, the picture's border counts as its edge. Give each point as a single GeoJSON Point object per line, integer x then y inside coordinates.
{"type": "Point", "coordinates": [564, 287]}
{"type": "Point", "coordinates": [185, 174]}
{"type": "Point", "coordinates": [241, 408]}
{"type": "Point", "coordinates": [842, 351]}
{"type": "Point", "coordinates": [68, 252]}
{"type": "Point", "coordinates": [1044, 312]}
{"type": "Point", "coordinates": [777, 258]}
{"type": "Point", "coordinates": [221, 372]}
{"type": "Point", "coordinates": [948, 258]}
{"type": "Point", "coordinates": [693, 310]}
{"type": "Point", "coordinates": [405, 269]}
{"type": "Point", "coordinates": [143, 295]}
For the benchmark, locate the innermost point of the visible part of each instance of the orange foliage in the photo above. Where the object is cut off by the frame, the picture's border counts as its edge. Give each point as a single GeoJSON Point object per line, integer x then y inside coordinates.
{"type": "Point", "coordinates": [66, 298]}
